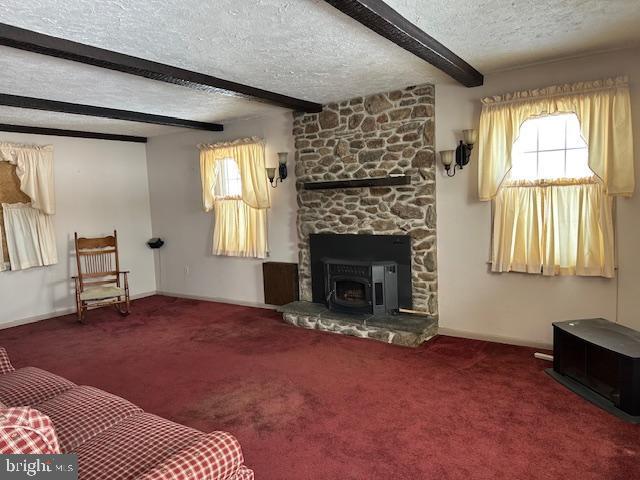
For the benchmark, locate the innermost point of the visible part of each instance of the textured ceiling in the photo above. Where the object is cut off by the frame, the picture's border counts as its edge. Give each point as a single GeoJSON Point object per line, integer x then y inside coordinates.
{"type": "Point", "coordinates": [34, 75]}
{"type": "Point", "coordinates": [500, 34]}
{"type": "Point", "coordinates": [301, 48]}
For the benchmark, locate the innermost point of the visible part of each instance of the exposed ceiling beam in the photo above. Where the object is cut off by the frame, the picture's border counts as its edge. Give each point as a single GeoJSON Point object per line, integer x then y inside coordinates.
{"type": "Point", "coordinates": [69, 133]}
{"type": "Point", "coordinates": [31, 41]}
{"type": "Point", "coordinates": [385, 21]}
{"type": "Point", "coordinates": [113, 113]}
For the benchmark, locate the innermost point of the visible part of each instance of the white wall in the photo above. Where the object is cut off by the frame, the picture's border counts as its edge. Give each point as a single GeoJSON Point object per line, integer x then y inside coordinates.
{"type": "Point", "coordinates": [185, 264]}
{"type": "Point", "coordinates": [520, 307]}
{"type": "Point", "coordinates": [100, 186]}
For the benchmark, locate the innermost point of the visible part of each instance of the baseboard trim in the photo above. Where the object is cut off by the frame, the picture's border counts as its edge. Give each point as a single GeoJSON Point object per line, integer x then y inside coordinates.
{"type": "Point", "coordinates": [59, 313]}
{"type": "Point", "coordinates": [451, 332]}
{"type": "Point", "coordinates": [218, 299]}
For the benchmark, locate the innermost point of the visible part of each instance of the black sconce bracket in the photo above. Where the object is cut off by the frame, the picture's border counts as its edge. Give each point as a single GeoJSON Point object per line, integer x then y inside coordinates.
{"type": "Point", "coordinates": [282, 171]}
{"type": "Point", "coordinates": [463, 155]}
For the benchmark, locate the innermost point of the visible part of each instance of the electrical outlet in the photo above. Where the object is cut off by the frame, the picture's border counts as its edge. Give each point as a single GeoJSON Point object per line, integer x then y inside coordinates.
{"type": "Point", "coordinates": [187, 270]}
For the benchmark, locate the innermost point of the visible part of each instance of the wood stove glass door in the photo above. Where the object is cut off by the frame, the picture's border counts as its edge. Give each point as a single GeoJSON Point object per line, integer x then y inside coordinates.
{"type": "Point", "coordinates": [351, 293]}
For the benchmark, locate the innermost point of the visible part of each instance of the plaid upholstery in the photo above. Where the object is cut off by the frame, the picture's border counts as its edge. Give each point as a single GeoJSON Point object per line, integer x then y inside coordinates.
{"type": "Point", "coordinates": [5, 363]}
{"type": "Point", "coordinates": [243, 474]}
{"type": "Point", "coordinates": [217, 456]}
{"type": "Point", "coordinates": [83, 412]}
{"type": "Point", "coordinates": [133, 447]}
{"type": "Point", "coordinates": [113, 438]}
{"type": "Point", "coordinates": [30, 386]}
{"type": "Point", "coordinates": [25, 430]}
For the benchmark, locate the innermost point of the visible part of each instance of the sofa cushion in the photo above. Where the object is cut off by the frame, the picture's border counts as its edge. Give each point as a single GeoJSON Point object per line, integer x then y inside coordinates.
{"type": "Point", "coordinates": [24, 430]}
{"type": "Point", "coordinates": [31, 386]}
{"type": "Point", "coordinates": [217, 456]}
{"type": "Point", "coordinates": [133, 447]}
{"type": "Point", "coordinates": [83, 412]}
{"type": "Point", "coordinates": [5, 363]}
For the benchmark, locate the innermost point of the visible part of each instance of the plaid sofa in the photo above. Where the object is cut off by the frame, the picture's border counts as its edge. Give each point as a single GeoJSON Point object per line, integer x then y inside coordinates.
{"type": "Point", "coordinates": [114, 439]}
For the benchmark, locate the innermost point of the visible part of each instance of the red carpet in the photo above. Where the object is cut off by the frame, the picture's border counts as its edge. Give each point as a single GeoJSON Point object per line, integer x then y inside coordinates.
{"type": "Point", "coordinates": [308, 405]}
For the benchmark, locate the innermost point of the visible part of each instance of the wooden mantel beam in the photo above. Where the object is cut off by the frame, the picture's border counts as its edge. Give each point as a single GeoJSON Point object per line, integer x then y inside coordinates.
{"type": "Point", "coordinates": [385, 21]}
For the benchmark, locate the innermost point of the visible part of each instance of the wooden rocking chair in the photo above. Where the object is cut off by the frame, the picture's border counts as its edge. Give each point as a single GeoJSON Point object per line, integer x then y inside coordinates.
{"type": "Point", "coordinates": [98, 281]}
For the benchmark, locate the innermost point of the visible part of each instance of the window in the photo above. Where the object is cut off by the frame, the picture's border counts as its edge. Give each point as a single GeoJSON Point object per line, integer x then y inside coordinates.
{"type": "Point", "coordinates": [235, 188]}
{"type": "Point", "coordinates": [553, 197]}
{"type": "Point", "coordinates": [228, 181]}
{"type": "Point", "coordinates": [552, 215]}
{"type": "Point", "coordinates": [550, 147]}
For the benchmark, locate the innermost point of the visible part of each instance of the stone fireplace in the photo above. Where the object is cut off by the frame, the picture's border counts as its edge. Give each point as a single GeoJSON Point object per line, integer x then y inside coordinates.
{"type": "Point", "coordinates": [375, 136]}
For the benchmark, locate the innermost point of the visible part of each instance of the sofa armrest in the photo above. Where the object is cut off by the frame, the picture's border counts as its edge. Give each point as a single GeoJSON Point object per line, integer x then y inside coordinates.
{"type": "Point", "coordinates": [5, 363]}
{"type": "Point", "coordinates": [217, 456]}
{"type": "Point", "coordinates": [24, 430]}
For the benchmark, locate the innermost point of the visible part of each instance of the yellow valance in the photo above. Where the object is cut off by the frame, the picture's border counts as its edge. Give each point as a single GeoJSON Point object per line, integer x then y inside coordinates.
{"type": "Point", "coordinates": [249, 155]}
{"type": "Point", "coordinates": [603, 108]}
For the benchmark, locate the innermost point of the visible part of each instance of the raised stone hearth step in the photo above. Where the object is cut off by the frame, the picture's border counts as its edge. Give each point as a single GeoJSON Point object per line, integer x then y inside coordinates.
{"type": "Point", "coordinates": [403, 329]}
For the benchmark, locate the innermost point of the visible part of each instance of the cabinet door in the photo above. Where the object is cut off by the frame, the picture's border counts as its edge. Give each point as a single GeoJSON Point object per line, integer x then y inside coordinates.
{"type": "Point", "coordinates": [280, 282]}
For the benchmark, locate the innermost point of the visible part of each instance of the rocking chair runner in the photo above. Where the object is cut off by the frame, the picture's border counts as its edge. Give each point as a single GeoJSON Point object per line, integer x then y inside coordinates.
{"type": "Point", "coordinates": [98, 281]}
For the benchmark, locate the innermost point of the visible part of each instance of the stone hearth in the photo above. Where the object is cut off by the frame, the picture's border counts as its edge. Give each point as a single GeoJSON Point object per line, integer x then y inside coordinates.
{"type": "Point", "coordinates": [404, 329]}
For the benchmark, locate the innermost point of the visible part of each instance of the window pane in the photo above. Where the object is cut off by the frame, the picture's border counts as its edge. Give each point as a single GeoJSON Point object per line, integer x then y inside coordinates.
{"type": "Point", "coordinates": [551, 164]}
{"type": "Point", "coordinates": [228, 183]}
{"type": "Point", "coordinates": [550, 136]}
{"type": "Point", "coordinates": [577, 164]}
{"type": "Point", "coordinates": [551, 131]}
{"type": "Point", "coordinates": [527, 139]}
{"type": "Point", "coordinates": [574, 135]}
{"type": "Point", "coordinates": [524, 167]}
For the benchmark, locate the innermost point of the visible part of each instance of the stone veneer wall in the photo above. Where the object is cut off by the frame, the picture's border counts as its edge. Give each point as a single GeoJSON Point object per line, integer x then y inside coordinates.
{"type": "Point", "coordinates": [371, 136]}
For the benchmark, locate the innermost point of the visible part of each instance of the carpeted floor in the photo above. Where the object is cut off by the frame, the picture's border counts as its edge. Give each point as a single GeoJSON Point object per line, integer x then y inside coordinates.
{"type": "Point", "coordinates": [309, 405]}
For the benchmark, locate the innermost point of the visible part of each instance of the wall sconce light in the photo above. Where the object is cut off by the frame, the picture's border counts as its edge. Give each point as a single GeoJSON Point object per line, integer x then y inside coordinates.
{"type": "Point", "coordinates": [462, 153]}
{"type": "Point", "coordinates": [282, 170]}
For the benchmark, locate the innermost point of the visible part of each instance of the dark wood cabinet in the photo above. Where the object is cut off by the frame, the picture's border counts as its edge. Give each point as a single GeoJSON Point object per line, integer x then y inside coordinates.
{"type": "Point", "coordinates": [280, 282]}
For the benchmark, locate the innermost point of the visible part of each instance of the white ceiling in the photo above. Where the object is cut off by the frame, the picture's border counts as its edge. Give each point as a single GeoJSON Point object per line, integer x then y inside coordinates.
{"type": "Point", "coordinates": [499, 34]}
{"type": "Point", "coordinates": [301, 48]}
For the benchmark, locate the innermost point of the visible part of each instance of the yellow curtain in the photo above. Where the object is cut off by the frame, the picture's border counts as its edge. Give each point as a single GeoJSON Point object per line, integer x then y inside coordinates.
{"type": "Point", "coordinates": [559, 227]}
{"type": "Point", "coordinates": [249, 155]}
{"type": "Point", "coordinates": [240, 226]}
{"type": "Point", "coordinates": [604, 110]}
{"type": "Point", "coordinates": [239, 230]}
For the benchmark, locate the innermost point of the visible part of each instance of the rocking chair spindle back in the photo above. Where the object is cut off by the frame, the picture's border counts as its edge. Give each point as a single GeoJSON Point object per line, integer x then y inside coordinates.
{"type": "Point", "coordinates": [98, 282]}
